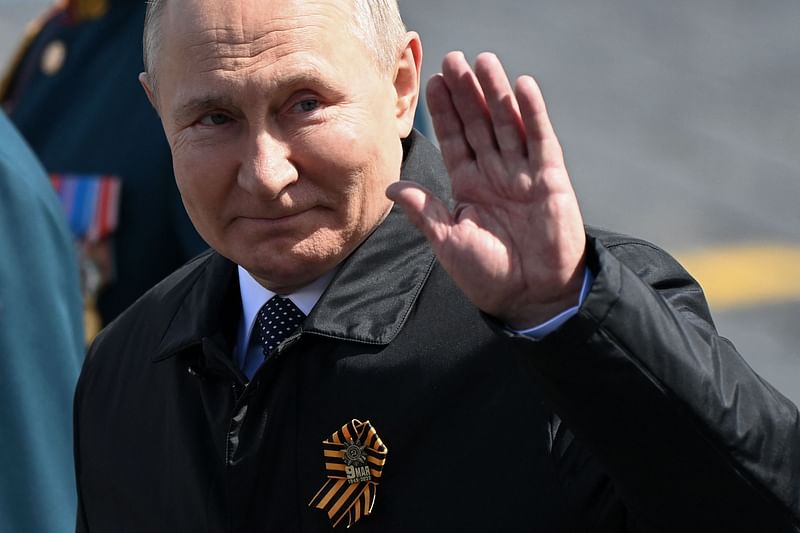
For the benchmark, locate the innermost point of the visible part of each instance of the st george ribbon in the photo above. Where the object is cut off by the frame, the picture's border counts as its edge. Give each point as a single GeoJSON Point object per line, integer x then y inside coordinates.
{"type": "Point", "coordinates": [354, 459]}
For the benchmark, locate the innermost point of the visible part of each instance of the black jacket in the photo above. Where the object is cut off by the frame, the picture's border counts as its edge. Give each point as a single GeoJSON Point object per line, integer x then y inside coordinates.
{"type": "Point", "coordinates": [669, 430]}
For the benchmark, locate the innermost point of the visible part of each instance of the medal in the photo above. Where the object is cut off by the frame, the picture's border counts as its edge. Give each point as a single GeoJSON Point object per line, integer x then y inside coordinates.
{"type": "Point", "coordinates": [354, 459]}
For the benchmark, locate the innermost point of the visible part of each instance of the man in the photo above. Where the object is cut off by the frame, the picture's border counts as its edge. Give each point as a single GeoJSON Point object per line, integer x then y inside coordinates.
{"type": "Point", "coordinates": [41, 346]}
{"type": "Point", "coordinates": [73, 93]}
{"type": "Point", "coordinates": [411, 397]}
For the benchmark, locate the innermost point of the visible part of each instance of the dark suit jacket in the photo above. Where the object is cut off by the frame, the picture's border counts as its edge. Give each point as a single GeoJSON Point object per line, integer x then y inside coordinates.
{"type": "Point", "coordinates": [670, 430]}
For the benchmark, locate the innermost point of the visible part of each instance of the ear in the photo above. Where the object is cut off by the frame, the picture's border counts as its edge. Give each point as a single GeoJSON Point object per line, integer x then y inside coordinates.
{"type": "Point", "coordinates": [147, 84]}
{"type": "Point", "coordinates": [406, 83]}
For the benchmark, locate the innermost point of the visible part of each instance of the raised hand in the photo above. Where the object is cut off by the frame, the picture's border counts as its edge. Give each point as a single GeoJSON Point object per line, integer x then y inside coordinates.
{"type": "Point", "coordinates": [515, 242]}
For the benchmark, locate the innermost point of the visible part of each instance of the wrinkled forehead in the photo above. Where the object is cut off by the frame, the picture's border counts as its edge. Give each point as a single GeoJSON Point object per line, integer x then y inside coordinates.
{"type": "Point", "coordinates": [243, 28]}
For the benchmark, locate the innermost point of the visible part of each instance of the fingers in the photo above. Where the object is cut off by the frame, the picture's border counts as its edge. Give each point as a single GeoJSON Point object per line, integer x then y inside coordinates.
{"type": "Point", "coordinates": [427, 212]}
{"type": "Point", "coordinates": [456, 151]}
{"type": "Point", "coordinates": [469, 101]}
{"type": "Point", "coordinates": [477, 115]}
{"type": "Point", "coordinates": [467, 108]}
{"type": "Point", "coordinates": [479, 118]}
{"type": "Point", "coordinates": [543, 146]}
{"type": "Point", "coordinates": [502, 103]}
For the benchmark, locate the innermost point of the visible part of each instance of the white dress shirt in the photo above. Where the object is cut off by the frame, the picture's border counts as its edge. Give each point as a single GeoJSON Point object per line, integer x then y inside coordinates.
{"type": "Point", "coordinates": [249, 356]}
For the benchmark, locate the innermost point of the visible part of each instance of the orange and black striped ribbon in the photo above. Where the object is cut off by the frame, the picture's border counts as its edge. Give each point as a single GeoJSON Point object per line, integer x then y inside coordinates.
{"type": "Point", "coordinates": [354, 459]}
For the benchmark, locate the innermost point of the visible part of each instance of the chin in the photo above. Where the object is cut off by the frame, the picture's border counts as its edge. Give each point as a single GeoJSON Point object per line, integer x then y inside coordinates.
{"type": "Point", "coordinates": [290, 267]}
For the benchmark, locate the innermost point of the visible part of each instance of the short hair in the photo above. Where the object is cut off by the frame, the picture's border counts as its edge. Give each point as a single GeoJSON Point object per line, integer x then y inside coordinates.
{"type": "Point", "coordinates": [376, 22]}
{"type": "Point", "coordinates": [379, 25]}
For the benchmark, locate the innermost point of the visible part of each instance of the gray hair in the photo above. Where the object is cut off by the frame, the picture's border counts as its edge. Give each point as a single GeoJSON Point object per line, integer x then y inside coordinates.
{"type": "Point", "coordinates": [379, 26]}
{"type": "Point", "coordinates": [376, 22]}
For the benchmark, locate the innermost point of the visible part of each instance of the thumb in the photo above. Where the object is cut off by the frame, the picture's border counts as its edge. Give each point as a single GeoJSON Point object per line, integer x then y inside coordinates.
{"type": "Point", "coordinates": [427, 212]}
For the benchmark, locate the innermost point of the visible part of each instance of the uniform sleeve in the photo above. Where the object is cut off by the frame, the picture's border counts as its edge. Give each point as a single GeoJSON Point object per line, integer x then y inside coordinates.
{"type": "Point", "coordinates": [667, 417]}
{"type": "Point", "coordinates": [41, 345]}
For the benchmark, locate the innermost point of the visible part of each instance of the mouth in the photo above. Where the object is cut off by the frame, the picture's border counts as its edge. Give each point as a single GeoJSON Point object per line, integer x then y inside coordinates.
{"type": "Point", "coordinates": [274, 221]}
{"type": "Point", "coordinates": [280, 217]}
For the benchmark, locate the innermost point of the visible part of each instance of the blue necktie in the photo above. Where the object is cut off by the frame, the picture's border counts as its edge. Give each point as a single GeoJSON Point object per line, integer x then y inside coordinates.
{"type": "Point", "coordinates": [277, 319]}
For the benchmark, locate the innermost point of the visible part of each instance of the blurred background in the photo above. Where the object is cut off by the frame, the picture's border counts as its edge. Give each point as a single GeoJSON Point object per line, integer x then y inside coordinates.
{"type": "Point", "coordinates": [680, 122]}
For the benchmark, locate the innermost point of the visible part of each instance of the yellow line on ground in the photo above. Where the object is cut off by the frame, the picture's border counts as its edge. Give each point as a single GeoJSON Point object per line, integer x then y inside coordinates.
{"type": "Point", "coordinates": [746, 275]}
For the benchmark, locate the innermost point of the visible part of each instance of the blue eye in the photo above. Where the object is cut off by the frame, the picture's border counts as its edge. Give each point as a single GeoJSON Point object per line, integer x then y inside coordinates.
{"type": "Point", "coordinates": [307, 105]}
{"type": "Point", "coordinates": [215, 119]}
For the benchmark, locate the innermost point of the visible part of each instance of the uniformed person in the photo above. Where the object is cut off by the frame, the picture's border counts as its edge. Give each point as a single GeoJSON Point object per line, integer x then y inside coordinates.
{"type": "Point", "coordinates": [72, 91]}
{"type": "Point", "coordinates": [41, 346]}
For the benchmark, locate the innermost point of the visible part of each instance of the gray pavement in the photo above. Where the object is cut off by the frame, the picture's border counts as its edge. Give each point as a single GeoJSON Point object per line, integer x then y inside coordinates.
{"type": "Point", "coordinates": [680, 121]}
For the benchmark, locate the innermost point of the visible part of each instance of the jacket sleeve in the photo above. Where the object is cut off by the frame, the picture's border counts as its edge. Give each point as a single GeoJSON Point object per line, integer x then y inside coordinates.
{"type": "Point", "coordinates": [691, 438]}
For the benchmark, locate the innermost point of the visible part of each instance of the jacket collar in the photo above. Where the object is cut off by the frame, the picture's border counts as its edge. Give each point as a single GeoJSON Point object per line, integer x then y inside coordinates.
{"type": "Point", "coordinates": [369, 298]}
{"type": "Point", "coordinates": [205, 304]}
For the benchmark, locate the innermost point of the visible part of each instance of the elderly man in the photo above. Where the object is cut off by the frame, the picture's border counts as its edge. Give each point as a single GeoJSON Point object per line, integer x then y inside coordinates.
{"type": "Point", "coordinates": [329, 366]}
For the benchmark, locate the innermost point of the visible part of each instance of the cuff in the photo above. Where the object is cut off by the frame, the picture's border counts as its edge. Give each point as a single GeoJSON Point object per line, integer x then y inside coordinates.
{"type": "Point", "coordinates": [546, 328]}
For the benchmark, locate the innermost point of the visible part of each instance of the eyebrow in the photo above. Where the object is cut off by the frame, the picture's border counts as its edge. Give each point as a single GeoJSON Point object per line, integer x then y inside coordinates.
{"type": "Point", "coordinates": [310, 77]}
{"type": "Point", "coordinates": [199, 104]}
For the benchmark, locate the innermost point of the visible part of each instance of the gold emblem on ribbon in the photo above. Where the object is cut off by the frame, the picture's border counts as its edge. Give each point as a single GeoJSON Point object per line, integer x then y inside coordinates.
{"type": "Point", "coordinates": [354, 459]}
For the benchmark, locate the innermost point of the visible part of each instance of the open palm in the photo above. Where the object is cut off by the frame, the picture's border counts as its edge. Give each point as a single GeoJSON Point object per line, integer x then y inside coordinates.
{"type": "Point", "coordinates": [515, 240]}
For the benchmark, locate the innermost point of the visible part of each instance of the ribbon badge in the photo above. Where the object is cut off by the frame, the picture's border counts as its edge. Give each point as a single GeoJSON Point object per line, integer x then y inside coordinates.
{"type": "Point", "coordinates": [354, 459]}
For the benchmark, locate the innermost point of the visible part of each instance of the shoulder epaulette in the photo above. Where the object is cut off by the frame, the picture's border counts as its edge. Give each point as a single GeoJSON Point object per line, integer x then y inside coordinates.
{"type": "Point", "coordinates": [32, 29]}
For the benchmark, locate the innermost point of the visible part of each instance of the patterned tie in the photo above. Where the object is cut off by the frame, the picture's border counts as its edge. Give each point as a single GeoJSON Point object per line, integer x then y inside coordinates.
{"type": "Point", "coordinates": [277, 319]}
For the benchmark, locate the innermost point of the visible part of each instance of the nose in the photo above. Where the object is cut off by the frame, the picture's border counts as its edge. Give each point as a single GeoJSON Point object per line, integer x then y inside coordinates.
{"type": "Point", "coordinates": [266, 169]}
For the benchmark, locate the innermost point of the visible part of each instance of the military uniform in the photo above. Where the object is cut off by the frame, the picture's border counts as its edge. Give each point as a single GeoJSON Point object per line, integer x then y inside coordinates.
{"type": "Point", "coordinates": [73, 92]}
{"type": "Point", "coordinates": [41, 347]}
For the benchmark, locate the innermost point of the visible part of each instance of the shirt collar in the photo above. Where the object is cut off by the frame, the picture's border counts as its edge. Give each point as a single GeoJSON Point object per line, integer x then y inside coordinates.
{"type": "Point", "coordinates": [254, 296]}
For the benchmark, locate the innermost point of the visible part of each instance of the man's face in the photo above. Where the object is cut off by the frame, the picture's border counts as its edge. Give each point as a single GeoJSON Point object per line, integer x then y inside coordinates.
{"type": "Point", "coordinates": [284, 134]}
